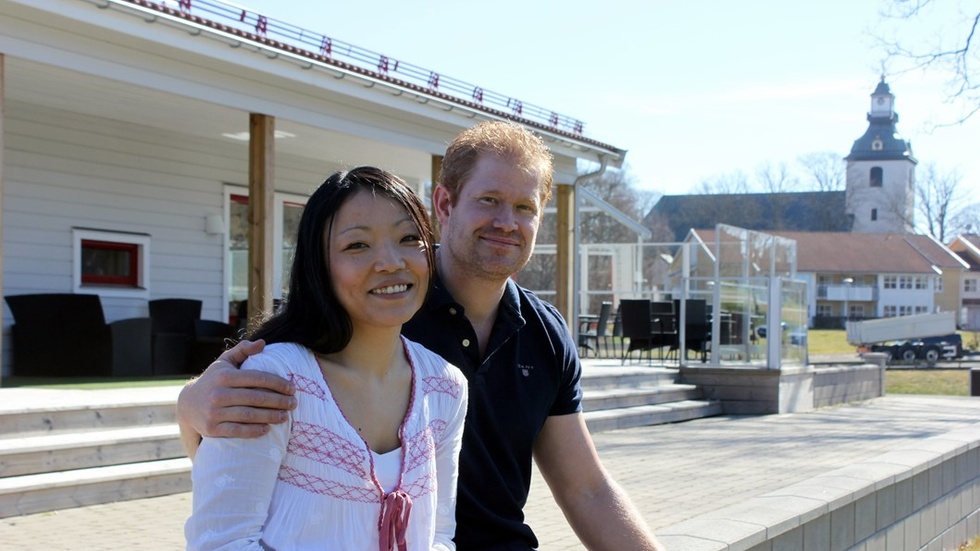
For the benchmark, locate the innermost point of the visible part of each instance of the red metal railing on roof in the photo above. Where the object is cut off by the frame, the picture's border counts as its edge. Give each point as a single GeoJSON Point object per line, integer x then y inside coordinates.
{"type": "Point", "coordinates": [319, 45]}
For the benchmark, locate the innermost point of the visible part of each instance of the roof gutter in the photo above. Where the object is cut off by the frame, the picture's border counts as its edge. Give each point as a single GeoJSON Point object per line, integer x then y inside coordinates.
{"type": "Point", "coordinates": [576, 269]}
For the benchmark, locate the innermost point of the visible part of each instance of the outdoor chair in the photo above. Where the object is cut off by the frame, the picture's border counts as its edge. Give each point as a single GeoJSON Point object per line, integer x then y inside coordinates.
{"type": "Point", "coordinates": [589, 337]}
{"type": "Point", "coordinates": [697, 327]}
{"type": "Point", "coordinates": [637, 326]}
{"type": "Point", "coordinates": [616, 337]}
{"type": "Point", "coordinates": [173, 322]}
{"type": "Point", "coordinates": [211, 338]}
{"type": "Point", "coordinates": [66, 335]}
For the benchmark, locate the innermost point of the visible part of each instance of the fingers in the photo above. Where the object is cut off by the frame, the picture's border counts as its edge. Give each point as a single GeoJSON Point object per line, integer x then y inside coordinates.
{"type": "Point", "coordinates": [237, 354]}
{"type": "Point", "coordinates": [243, 399]}
{"type": "Point", "coordinates": [220, 377]}
{"type": "Point", "coordinates": [235, 430]}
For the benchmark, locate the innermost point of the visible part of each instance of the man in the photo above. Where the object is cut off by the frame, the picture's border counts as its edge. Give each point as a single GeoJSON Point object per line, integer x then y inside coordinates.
{"type": "Point", "coordinates": [515, 350]}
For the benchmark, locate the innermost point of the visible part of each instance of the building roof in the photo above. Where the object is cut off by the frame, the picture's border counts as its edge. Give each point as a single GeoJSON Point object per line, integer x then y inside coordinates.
{"type": "Point", "coordinates": [870, 253]}
{"type": "Point", "coordinates": [800, 211]}
{"type": "Point", "coordinates": [877, 253]}
{"type": "Point", "coordinates": [967, 247]}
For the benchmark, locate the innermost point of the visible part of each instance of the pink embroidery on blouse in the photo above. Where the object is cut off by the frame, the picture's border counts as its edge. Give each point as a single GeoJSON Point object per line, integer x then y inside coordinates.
{"type": "Point", "coordinates": [307, 385]}
{"type": "Point", "coordinates": [440, 385]}
{"type": "Point", "coordinates": [421, 486]}
{"type": "Point", "coordinates": [331, 488]}
{"type": "Point", "coordinates": [325, 446]}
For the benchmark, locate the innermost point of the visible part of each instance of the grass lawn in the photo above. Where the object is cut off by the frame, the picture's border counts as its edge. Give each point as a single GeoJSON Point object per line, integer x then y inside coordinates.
{"type": "Point", "coordinates": [944, 382]}
{"type": "Point", "coordinates": [829, 341]}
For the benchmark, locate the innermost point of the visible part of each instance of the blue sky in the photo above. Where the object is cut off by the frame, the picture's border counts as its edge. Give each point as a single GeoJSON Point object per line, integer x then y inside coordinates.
{"type": "Point", "coordinates": [692, 89]}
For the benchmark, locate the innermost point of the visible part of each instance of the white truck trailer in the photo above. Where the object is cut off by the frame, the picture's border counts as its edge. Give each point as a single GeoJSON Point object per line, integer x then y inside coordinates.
{"type": "Point", "coordinates": [922, 336]}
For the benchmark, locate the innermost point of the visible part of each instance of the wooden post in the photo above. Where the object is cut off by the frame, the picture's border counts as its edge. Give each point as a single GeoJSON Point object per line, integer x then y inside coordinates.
{"type": "Point", "coordinates": [261, 205]}
{"type": "Point", "coordinates": [565, 265]}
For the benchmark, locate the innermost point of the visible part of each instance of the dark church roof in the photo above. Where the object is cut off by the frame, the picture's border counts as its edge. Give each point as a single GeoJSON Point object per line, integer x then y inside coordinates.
{"type": "Point", "coordinates": [803, 211]}
{"type": "Point", "coordinates": [881, 128]}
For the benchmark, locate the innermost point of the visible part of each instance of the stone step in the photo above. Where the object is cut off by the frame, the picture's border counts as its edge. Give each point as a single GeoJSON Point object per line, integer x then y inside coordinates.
{"type": "Point", "coordinates": [33, 412]}
{"type": "Point", "coordinates": [638, 416]}
{"type": "Point", "coordinates": [67, 451]}
{"type": "Point", "coordinates": [101, 446]}
{"type": "Point", "coordinates": [615, 376]}
{"type": "Point", "coordinates": [23, 495]}
{"type": "Point", "coordinates": [613, 398]}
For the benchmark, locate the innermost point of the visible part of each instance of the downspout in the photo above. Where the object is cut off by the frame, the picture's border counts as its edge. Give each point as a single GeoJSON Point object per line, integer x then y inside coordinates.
{"type": "Point", "coordinates": [576, 268]}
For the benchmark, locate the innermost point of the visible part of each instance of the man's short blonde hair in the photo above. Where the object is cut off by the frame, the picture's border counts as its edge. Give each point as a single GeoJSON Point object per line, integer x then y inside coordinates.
{"type": "Point", "coordinates": [506, 140]}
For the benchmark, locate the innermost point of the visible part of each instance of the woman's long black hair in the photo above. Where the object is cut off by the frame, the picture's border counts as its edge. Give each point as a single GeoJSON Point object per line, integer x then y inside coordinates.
{"type": "Point", "coordinates": [311, 314]}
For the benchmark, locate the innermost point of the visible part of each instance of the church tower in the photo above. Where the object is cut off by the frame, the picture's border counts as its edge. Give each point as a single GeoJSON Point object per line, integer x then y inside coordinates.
{"type": "Point", "coordinates": [880, 191]}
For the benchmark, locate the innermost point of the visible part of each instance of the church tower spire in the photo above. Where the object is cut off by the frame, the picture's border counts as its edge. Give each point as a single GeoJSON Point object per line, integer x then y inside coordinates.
{"type": "Point", "coordinates": [880, 191]}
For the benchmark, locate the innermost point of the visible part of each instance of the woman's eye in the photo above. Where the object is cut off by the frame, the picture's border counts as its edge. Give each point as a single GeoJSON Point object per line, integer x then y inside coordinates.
{"type": "Point", "coordinates": [411, 239]}
{"type": "Point", "coordinates": [355, 246]}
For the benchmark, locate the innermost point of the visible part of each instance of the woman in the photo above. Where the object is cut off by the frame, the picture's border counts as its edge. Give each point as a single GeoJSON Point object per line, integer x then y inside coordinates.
{"type": "Point", "coordinates": [369, 457]}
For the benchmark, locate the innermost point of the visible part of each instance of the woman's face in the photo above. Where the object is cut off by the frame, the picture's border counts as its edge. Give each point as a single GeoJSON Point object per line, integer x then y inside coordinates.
{"type": "Point", "coordinates": [377, 261]}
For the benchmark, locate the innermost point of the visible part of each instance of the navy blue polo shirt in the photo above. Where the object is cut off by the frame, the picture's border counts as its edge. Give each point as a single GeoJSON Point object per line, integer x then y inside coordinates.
{"type": "Point", "coordinates": [530, 371]}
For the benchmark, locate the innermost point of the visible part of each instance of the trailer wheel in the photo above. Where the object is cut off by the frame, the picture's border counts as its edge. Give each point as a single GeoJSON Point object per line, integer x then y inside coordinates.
{"type": "Point", "coordinates": [931, 354]}
{"type": "Point", "coordinates": [907, 353]}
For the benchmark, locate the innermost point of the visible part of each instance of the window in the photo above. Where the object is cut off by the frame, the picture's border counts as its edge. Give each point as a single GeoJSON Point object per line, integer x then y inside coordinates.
{"type": "Point", "coordinates": [876, 176]}
{"type": "Point", "coordinates": [938, 284]}
{"type": "Point", "coordinates": [857, 311]}
{"type": "Point", "coordinates": [824, 311]}
{"type": "Point", "coordinates": [921, 310]}
{"type": "Point", "coordinates": [891, 282]}
{"type": "Point", "coordinates": [890, 311]}
{"type": "Point", "coordinates": [921, 283]}
{"type": "Point", "coordinates": [874, 214]}
{"type": "Point", "coordinates": [905, 282]}
{"type": "Point", "coordinates": [904, 310]}
{"type": "Point", "coordinates": [287, 213]}
{"type": "Point", "coordinates": [969, 285]}
{"type": "Point", "coordinates": [110, 263]}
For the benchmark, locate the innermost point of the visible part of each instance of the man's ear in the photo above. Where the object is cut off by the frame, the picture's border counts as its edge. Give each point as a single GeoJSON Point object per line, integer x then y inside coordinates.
{"type": "Point", "coordinates": [441, 203]}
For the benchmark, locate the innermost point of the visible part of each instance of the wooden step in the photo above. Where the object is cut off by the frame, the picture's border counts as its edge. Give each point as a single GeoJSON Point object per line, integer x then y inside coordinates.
{"type": "Point", "coordinates": [23, 495]}
{"type": "Point", "coordinates": [30, 412]}
{"type": "Point", "coordinates": [75, 448]}
{"type": "Point", "coordinates": [66, 451]}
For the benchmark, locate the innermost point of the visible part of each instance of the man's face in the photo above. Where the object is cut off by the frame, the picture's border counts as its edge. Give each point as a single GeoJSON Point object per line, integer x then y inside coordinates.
{"type": "Point", "coordinates": [490, 231]}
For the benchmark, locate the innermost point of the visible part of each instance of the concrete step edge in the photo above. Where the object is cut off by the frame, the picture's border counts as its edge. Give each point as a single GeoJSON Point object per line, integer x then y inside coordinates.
{"type": "Point", "coordinates": [94, 475]}
{"type": "Point", "coordinates": [87, 438]}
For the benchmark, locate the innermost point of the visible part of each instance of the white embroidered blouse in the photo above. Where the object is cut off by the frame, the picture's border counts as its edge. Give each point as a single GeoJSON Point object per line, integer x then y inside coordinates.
{"type": "Point", "coordinates": [310, 482]}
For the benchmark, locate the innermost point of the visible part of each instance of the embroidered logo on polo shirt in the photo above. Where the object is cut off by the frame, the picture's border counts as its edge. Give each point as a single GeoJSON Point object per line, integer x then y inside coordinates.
{"type": "Point", "coordinates": [525, 369]}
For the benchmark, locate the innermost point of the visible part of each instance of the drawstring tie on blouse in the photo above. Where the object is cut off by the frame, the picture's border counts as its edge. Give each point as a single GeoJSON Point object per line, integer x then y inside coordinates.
{"type": "Point", "coordinates": [395, 509]}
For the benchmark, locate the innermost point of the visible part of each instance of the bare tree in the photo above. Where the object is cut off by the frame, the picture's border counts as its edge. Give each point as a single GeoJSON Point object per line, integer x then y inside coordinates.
{"type": "Point", "coordinates": [967, 220]}
{"type": "Point", "coordinates": [733, 182]}
{"type": "Point", "coordinates": [775, 178]}
{"type": "Point", "coordinates": [823, 171]}
{"type": "Point", "coordinates": [940, 202]}
{"type": "Point", "coordinates": [952, 49]}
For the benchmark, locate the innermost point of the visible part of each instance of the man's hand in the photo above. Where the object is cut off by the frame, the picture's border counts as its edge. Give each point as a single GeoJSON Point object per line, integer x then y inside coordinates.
{"type": "Point", "coordinates": [227, 402]}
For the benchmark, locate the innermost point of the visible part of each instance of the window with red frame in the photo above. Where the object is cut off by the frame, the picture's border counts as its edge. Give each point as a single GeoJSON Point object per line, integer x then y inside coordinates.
{"type": "Point", "coordinates": [110, 263]}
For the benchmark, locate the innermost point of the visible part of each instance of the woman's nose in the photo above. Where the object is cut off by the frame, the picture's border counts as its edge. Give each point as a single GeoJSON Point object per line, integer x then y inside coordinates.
{"type": "Point", "coordinates": [390, 257]}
